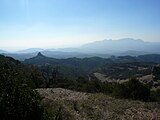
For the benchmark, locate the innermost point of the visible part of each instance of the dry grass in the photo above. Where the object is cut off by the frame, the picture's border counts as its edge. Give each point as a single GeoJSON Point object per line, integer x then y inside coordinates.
{"type": "Point", "coordinates": [87, 106]}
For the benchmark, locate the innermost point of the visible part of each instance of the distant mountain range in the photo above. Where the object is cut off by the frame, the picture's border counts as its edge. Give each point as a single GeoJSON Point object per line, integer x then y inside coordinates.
{"type": "Point", "coordinates": [3, 51]}
{"type": "Point", "coordinates": [41, 59]}
{"type": "Point", "coordinates": [55, 54]}
{"type": "Point", "coordinates": [30, 50]}
{"type": "Point", "coordinates": [73, 67]}
{"type": "Point", "coordinates": [104, 48]}
{"type": "Point", "coordinates": [112, 66]}
{"type": "Point", "coordinates": [122, 45]}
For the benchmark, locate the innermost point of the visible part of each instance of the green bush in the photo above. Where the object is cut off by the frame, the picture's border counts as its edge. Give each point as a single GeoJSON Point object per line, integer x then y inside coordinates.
{"type": "Point", "coordinates": [132, 89]}
{"type": "Point", "coordinates": [155, 95]}
{"type": "Point", "coordinates": [19, 102]}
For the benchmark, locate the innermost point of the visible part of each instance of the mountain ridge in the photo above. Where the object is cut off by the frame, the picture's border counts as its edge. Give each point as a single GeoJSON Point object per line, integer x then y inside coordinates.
{"type": "Point", "coordinates": [122, 45]}
{"type": "Point", "coordinates": [104, 48]}
{"type": "Point", "coordinates": [3, 51]}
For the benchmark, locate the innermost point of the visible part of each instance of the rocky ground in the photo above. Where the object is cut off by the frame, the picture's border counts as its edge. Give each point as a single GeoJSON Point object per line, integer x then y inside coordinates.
{"type": "Point", "coordinates": [88, 106]}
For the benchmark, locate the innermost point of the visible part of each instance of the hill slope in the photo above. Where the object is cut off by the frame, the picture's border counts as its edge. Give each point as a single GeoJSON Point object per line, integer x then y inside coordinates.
{"type": "Point", "coordinates": [121, 67]}
{"type": "Point", "coordinates": [86, 106]}
{"type": "Point", "coordinates": [70, 66]}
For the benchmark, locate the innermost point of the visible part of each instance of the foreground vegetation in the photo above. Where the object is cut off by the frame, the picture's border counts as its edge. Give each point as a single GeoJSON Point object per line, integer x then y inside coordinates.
{"type": "Point", "coordinates": [19, 100]}
{"type": "Point", "coordinates": [96, 106]}
{"type": "Point", "coordinates": [133, 89]}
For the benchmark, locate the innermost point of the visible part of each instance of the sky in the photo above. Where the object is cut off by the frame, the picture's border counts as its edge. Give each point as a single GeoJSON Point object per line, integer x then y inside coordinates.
{"type": "Point", "coordinates": [71, 23]}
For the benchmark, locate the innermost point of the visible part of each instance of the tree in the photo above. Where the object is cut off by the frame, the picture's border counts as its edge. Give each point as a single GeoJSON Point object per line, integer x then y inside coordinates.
{"type": "Point", "coordinates": [156, 72]}
{"type": "Point", "coordinates": [49, 74]}
{"type": "Point", "coordinates": [137, 90]}
{"type": "Point", "coordinates": [17, 100]}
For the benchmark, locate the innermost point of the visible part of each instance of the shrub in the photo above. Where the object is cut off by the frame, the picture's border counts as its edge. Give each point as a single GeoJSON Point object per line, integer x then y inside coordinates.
{"type": "Point", "coordinates": [132, 89]}
{"type": "Point", "coordinates": [19, 102]}
{"type": "Point", "coordinates": [155, 95]}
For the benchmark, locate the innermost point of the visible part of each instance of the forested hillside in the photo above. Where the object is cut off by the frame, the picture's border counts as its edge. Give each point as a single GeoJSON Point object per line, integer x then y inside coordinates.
{"type": "Point", "coordinates": [122, 67]}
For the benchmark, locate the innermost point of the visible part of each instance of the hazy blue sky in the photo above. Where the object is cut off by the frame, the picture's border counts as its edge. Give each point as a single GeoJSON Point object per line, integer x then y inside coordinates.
{"type": "Point", "coordinates": [65, 23]}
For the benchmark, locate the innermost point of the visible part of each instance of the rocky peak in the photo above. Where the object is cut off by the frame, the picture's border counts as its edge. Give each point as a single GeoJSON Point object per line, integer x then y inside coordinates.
{"type": "Point", "coordinates": [40, 54]}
